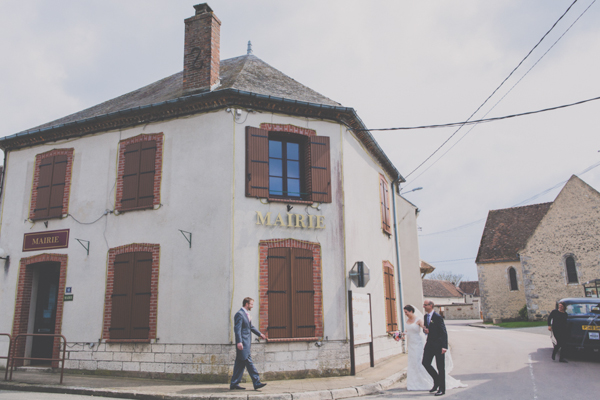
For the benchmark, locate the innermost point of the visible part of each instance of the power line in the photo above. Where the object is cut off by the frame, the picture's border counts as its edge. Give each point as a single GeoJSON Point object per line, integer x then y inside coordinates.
{"type": "Point", "coordinates": [505, 94]}
{"type": "Point", "coordinates": [591, 167]}
{"type": "Point", "coordinates": [480, 121]}
{"type": "Point", "coordinates": [499, 86]}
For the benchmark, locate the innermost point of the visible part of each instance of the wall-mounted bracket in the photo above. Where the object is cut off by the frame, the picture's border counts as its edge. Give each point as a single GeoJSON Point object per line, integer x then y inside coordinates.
{"type": "Point", "coordinates": [86, 246]}
{"type": "Point", "coordinates": [188, 238]}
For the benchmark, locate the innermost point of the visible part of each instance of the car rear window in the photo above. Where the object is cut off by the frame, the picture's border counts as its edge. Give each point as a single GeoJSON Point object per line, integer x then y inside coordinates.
{"type": "Point", "coordinates": [583, 309]}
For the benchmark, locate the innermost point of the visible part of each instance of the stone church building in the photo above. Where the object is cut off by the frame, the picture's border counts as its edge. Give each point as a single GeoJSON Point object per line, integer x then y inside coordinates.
{"type": "Point", "coordinates": [535, 255]}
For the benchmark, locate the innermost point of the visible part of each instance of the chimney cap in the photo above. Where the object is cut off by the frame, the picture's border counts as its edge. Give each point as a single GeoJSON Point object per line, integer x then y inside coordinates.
{"type": "Point", "coordinates": [202, 8]}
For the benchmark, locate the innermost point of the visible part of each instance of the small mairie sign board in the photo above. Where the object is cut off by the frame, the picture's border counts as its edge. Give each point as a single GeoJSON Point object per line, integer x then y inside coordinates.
{"type": "Point", "coordinates": [46, 240]}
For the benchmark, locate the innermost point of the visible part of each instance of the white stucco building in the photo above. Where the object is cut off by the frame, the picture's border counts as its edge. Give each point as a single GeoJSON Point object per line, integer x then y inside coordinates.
{"type": "Point", "coordinates": [135, 228]}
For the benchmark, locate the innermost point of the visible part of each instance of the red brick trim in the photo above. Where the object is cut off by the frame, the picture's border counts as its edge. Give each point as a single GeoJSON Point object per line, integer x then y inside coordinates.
{"type": "Point", "coordinates": [158, 137]}
{"type": "Point", "coordinates": [23, 300]}
{"type": "Point", "coordinates": [36, 179]}
{"type": "Point", "coordinates": [110, 278]}
{"type": "Point", "coordinates": [264, 246]}
{"type": "Point", "coordinates": [288, 128]}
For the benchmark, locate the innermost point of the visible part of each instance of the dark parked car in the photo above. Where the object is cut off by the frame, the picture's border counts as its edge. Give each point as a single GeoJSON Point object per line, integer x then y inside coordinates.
{"type": "Point", "coordinates": [583, 321]}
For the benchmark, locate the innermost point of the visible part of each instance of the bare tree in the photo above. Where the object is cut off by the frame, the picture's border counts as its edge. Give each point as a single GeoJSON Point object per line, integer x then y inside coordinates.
{"type": "Point", "coordinates": [446, 276]}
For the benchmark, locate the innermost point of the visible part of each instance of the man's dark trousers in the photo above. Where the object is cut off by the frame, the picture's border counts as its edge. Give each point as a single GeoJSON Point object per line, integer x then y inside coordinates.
{"type": "Point", "coordinates": [437, 339]}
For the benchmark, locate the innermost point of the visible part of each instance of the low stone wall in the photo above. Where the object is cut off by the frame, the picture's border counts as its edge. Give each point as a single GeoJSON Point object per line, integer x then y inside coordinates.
{"type": "Point", "coordinates": [460, 311]}
{"type": "Point", "coordinates": [207, 362]}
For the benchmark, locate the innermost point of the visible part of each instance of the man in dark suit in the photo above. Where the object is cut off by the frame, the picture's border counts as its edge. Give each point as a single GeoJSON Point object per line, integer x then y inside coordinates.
{"type": "Point", "coordinates": [436, 346]}
{"type": "Point", "coordinates": [243, 330]}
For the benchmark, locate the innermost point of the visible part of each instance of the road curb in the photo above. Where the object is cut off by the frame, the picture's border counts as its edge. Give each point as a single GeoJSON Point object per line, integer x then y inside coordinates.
{"type": "Point", "coordinates": [329, 394]}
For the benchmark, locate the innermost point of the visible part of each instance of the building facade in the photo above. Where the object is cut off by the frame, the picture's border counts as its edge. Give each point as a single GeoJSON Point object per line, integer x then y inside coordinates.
{"type": "Point", "coordinates": [535, 255]}
{"type": "Point", "coordinates": [135, 228]}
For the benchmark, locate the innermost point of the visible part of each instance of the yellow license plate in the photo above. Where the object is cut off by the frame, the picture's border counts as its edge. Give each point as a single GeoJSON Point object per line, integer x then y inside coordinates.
{"type": "Point", "coordinates": [590, 328]}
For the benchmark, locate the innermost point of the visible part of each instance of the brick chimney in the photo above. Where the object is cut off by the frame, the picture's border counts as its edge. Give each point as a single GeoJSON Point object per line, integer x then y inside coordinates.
{"type": "Point", "coordinates": [201, 59]}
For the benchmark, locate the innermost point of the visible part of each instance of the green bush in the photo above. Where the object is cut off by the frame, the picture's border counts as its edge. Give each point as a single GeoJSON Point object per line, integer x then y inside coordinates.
{"type": "Point", "coordinates": [523, 313]}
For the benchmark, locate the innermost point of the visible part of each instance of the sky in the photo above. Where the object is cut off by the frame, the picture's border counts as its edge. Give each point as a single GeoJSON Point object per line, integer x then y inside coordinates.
{"type": "Point", "coordinates": [397, 63]}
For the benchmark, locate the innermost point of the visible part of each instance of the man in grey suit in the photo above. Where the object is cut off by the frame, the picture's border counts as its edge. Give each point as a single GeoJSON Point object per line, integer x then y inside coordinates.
{"type": "Point", "coordinates": [243, 330]}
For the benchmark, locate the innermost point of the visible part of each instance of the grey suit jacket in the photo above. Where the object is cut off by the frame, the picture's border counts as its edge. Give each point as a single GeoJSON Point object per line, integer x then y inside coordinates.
{"type": "Point", "coordinates": [243, 329]}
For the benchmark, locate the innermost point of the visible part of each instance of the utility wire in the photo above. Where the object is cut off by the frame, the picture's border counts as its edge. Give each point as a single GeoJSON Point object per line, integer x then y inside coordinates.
{"type": "Point", "coordinates": [494, 92]}
{"type": "Point", "coordinates": [506, 94]}
{"type": "Point", "coordinates": [485, 120]}
{"type": "Point", "coordinates": [559, 184]}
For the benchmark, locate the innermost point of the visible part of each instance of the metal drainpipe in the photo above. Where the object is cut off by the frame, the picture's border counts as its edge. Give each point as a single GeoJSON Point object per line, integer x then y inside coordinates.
{"type": "Point", "coordinates": [398, 255]}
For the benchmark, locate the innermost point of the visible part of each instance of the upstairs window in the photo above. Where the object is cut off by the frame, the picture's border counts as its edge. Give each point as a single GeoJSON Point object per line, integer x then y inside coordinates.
{"type": "Point", "coordinates": [51, 184]}
{"type": "Point", "coordinates": [571, 270]}
{"type": "Point", "coordinates": [285, 176]}
{"type": "Point", "coordinates": [512, 276]}
{"type": "Point", "coordinates": [384, 197]}
{"type": "Point", "coordinates": [139, 172]}
{"type": "Point", "coordinates": [287, 163]}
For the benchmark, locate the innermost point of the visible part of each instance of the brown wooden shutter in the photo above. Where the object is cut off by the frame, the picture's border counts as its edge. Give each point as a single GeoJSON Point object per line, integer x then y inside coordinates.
{"type": "Point", "coordinates": [257, 162]}
{"type": "Point", "coordinates": [131, 175]}
{"type": "Point", "coordinates": [278, 293]}
{"type": "Point", "coordinates": [57, 192]}
{"type": "Point", "coordinates": [390, 298]}
{"type": "Point", "coordinates": [130, 312]}
{"type": "Point", "coordinates": [384, 193]}
{"type": "Point", "coordinates": [51, 187]}
{"type": "Point", "coordinates": [320, 169]}
{"type": "Point", "coordinates": [120, 323]}
{"type": "Point", "coordinates": [303, 293]}
{"type": "Point", "coordinates": [141, 293]}
{"type": "Point", "coordinates": [147, 172]}
{"type": "Point", "coordinates": [138, 175]}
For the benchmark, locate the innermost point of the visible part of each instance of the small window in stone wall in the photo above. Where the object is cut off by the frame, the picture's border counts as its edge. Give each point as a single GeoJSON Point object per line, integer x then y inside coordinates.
{"type": "Point", "coordinates": [512, 274]}
{"type": "Point", "coordinates": [571, 270]}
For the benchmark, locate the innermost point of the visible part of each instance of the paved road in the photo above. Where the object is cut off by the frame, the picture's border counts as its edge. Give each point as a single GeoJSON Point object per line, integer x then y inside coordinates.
{"type": "Point", "coordinates": [510, 364]}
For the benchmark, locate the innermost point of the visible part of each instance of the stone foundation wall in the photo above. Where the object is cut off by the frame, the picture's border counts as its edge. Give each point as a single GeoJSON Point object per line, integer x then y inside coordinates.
{"type": "Point", "coordinates": [209, 363]}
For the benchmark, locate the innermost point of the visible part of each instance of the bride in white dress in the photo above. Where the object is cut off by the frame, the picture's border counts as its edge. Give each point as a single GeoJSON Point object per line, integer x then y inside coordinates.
{"type": "Point", "coordinates": [417, 377]}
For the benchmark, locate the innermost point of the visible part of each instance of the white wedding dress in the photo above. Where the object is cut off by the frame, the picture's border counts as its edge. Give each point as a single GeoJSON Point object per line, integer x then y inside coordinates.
{"type": "Point", "coordinates": [417, 377]}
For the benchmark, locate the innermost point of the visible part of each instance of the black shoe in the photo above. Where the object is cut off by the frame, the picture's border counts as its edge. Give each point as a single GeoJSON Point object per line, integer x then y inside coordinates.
{"type": "Point", "coordinates": [554, 354]}
{"type": "Point", "coordinates": [260, 385]}
{"type": "Point", "coordinates": [433, 389]}
{"type": "Point", "coordinates": [563, 360]}
{"type": "Point", "coordinates": [440, 393]}
{"type": "Point", "coordinates": [236, 387]}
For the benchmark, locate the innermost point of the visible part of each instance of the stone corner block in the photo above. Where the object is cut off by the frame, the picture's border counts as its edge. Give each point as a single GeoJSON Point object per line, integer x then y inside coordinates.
{"type": "Point", "coordinates": [316, 395]}
{"type": "Point", "coordinates": [371, 388]}
{"type": "Point", "coordinates": [344, 393]}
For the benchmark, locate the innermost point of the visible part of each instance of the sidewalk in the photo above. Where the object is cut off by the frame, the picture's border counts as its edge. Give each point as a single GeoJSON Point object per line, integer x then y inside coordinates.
{"type": "Point", "coordinates": [368, 381]}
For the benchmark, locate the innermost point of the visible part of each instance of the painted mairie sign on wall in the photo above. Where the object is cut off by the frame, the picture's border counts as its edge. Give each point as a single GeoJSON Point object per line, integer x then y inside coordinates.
{"type": "Point", "coordinates": [46, 240]}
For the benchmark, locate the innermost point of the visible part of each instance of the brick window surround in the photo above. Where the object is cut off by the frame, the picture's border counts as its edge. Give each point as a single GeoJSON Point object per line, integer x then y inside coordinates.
{"type": "Point", "coordinates": [110, 277]}
{"type": "Point", "coordinates": [36, 179]}
{"type": "Point", "coordinates": [23, 299]}
{"type": "Point", "coordinates": [264, 246]}
{"type": "Point", "coordinates": [158, 137]}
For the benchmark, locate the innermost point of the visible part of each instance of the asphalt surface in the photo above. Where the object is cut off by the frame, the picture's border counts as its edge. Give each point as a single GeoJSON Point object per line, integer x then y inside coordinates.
{"type": "Point", "coordinates": [499, 363]}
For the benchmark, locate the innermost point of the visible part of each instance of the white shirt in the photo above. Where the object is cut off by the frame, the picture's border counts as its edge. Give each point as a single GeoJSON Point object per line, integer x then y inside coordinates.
{"type": "Point", "coordinates": [430, 316]}
{"type": "Point", "coordinates": [247, 314]}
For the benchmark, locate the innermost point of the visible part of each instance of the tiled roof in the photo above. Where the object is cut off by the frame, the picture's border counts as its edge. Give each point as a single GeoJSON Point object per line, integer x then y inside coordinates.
{"type": "Point", "coordinates": [470, 287]}
{"type": "Point", "coordinates": [432, 288]}
{"type": "Point", "coordinates": [507, 231]}
{"type": "Point", "coordinates": [247, 73]}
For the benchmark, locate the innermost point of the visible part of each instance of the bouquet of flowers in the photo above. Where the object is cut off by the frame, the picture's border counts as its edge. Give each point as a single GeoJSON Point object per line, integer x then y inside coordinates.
{"type": "Point", "coordinates": [396, 335]}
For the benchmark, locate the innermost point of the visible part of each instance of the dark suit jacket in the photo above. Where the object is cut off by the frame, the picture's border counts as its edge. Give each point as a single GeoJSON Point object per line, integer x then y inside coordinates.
{"type": "Point", "coordinates": [437, 338]}
{"type": "Point", "coordinates": [243, 329]}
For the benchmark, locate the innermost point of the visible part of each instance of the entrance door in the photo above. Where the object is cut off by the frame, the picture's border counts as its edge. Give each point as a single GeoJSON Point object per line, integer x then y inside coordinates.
{"type": "Point", "coordinates": [45, 311]}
